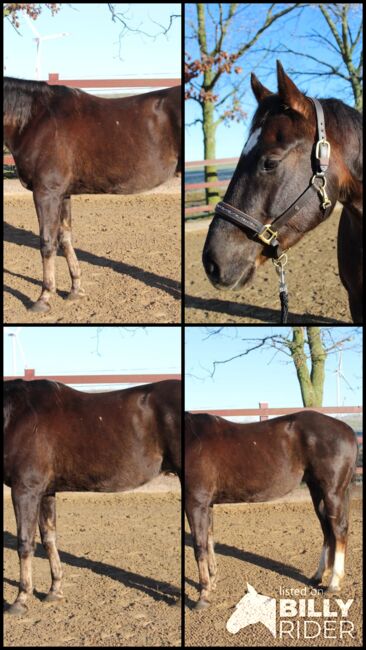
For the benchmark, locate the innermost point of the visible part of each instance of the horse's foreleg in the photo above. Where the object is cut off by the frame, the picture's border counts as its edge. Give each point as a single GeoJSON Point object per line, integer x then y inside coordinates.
{"type": "Point", "coordinates": [65, 240]}
{"type": "Point", "coordinates": [26, 508]}
{"type": "Point", "coordinates": [48, 208]}
{"type": "Point", "coordinates": [198, 518]}
{"type": "Point", "coordinates": [47, 529]}
{"type": "Point", "coordinates": [212, 567]}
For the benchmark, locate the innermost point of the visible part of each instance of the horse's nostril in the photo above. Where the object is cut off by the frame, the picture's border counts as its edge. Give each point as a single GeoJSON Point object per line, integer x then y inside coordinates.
{"type": "Point", "coordinates": [212, 270]}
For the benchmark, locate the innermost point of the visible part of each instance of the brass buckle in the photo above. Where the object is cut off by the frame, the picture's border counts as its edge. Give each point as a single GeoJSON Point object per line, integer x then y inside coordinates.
{"type": "Point", "coordinates": [272, 234]}
{"type": "Point", "coordinates": [281, 260]}
{"type": "Point", "coordinates": [322, 191]}
{"type": "Point", "coordinates": [317, 148]}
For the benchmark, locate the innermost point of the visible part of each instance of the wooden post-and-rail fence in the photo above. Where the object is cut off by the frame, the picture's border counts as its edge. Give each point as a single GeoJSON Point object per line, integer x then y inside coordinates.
{"type": "Point", "coordinates": [195, 187]}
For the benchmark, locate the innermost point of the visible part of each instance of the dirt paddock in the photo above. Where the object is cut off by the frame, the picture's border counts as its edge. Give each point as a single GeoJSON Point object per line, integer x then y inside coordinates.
{"type": "Point", "coordinates": [121, 559]}
{"type": "Point", "coordinates": [270, 546]}
{"type": "Point", "coordinates": [316, 294]}
{"type": "Point", "coordinates": [128, 248]}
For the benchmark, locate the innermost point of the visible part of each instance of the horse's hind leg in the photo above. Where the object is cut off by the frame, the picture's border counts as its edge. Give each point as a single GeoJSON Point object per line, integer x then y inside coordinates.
{"type": "Point", "coordinates": [26, 508]}
{"type": "Point", "coordinates": [212, 567]}
{"type": "Point", "coordinates": [47, 529]}
{"type": "Point", "coordinates": [48, 208]}
{"type": "Point", "coordinates": [327, 554]}
{"type": "Point", "coordinates": [65, 241]}
{"type": "Point", "coordinates": [337, 506]}
{"type": "Point", "coordinates": [198, 519]}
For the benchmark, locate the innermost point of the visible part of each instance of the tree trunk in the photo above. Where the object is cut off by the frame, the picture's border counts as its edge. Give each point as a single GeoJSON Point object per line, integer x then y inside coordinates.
{"type": "Point", "coordinates": [209, 147]}
{"type": "Point", "coordinates": [208, 107]}
{"type": "Point", "coordinates": [311, 383]}
{"type": "Point", "coordinates": [318, 358]}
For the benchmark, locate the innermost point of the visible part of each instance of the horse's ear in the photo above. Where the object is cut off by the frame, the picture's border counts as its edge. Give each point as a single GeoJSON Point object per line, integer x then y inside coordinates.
{"type": "Point", "coordinates": [290, 94]}
{"type": "Point", "coordinates": [260, 91]}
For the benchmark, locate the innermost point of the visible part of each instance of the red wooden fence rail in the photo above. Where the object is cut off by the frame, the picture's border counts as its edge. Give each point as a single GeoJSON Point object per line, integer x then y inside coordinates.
{"type": "Point", "coordinates": [30, 374]}
{"type": "Point", "coordinates": [263, 411]}
{"type": "Point", "coordinates": [53, 78]}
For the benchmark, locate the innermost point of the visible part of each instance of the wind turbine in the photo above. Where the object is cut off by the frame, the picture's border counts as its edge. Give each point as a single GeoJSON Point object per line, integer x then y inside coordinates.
{"type": "Point", "coordinates": [38, 39]}
{"type": "Point", "coordinates": [339, 375]}
{"type": "Point", "coordinates": [16, 345]}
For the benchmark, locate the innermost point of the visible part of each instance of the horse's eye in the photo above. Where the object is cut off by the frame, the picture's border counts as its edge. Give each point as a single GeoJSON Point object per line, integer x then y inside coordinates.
{"type": "Point", "coordinates": [270, 163]}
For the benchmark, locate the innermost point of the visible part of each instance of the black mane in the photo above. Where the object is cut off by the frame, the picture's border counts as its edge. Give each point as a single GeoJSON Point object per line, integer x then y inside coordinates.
{"type": "Point", "coordinates": [21, 96]}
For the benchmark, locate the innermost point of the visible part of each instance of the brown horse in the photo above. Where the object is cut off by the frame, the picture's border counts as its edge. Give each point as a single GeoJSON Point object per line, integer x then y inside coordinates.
{"type": "Point", "coordinates": [57, 439]}
{"type": "Point", "coordinates": [302, 156]}
{"type": "Point", "coordinates": [226, 462]}
{"type": "Point", "coordinates": [65, 141]}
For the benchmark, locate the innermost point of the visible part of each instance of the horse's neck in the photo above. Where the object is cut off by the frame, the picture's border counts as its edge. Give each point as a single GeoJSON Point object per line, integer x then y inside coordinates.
{"type": "Point", "coordinates": [10, 135]}
{"type": "Point", "coordinates": [350, 163]}
{"type": "Point", "coordinates": [351, 199]}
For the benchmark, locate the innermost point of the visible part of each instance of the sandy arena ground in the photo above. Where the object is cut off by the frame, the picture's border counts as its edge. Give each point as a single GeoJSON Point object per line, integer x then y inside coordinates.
{"type": "Point", "coordinates": [128, 248]}
{"type": "Point", "coordinates": [121, 557]}
{"type": "Point", "coordinates": [316, 294]}
{"type": "Point", "coordinates": [270, 546]}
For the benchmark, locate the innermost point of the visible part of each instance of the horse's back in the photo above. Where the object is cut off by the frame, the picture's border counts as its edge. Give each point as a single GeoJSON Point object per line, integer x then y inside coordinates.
{"type": "Point", "coordinates": [309, 427]}
{"type": "Point", "coordinates": [264, 460]}
{"type": "Point", "coordinates": [102, 441]}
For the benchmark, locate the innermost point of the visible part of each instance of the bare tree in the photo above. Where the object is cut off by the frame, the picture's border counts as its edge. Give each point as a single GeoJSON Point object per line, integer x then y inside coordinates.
{"type": "Point", "coordinates": [124, 19]}
{"type": "Point", "coordinates": [306, 347]}
{"type": "Point", "coordinates": [343, 38]}
{"type": "Point", "coordinates": [216, 64]}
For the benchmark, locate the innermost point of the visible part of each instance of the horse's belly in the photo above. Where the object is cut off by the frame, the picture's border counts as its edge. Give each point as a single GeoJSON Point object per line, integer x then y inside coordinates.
{"type": "Point", "coordinates": [127, 476]}
{"type": "Point", "coordinates": [255, 491]}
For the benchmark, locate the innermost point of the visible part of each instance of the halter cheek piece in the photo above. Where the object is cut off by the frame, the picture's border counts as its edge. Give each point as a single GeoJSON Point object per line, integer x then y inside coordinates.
{"type": "Point", "coordinates": [267, 234]}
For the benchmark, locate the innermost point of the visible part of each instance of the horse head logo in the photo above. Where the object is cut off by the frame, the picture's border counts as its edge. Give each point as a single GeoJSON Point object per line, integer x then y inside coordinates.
{"type": "Point", "coordinates": [253, 608]}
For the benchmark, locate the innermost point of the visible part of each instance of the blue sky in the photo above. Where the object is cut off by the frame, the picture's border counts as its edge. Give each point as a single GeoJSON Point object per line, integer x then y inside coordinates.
{"type": "Point", "coordinates": [91, 49]}
{"type": "Point", "coordinates": [263, 375]}
{"type": "Point", "coordinates": [293, 30]}
{"type": "Point", "coordinates": [73, 350]}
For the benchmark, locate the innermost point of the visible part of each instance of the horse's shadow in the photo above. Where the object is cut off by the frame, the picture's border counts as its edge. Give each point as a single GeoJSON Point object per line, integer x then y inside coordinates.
{"type": "Point", "coordinates": [27, 238]}
{"type": "Point", "coordinates": [261, 314]}
{"type": "Point", "coordinates": [156, 589]}
{"type": "Point", "coordinates": [281, 568]}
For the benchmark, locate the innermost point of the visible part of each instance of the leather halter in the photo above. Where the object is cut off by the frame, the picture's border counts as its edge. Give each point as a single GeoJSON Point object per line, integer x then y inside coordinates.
{"type": "Point", "coordinates": [267, 233]}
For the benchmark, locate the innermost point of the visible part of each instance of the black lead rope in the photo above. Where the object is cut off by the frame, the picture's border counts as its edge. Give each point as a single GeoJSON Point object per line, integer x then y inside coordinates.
{"type": "Point", "coordinates": [284, 306]}
{"type": "Point", "coordinates": [280, 264]}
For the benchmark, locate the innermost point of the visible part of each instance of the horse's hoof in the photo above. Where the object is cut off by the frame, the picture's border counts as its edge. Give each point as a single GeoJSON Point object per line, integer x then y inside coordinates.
{"type": "Point", "coordinates": [17, 609]}
{"type": "Point", "coordinates": [76, 295]}
{"type": "Point", "coordinates": [333, 589]}
{"type": "Point", "coordinates": [53, 598]}
{"type": "Point", "coordinates": [315, 580]}
{"type": "Point", "coordinates": [40, 307]}
{"type": "Point", "coordinates": [202, 604]}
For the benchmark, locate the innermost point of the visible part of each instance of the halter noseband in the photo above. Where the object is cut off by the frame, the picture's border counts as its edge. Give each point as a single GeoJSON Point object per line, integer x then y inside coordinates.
{"type": "Point", "coordinates": [267, 233]}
